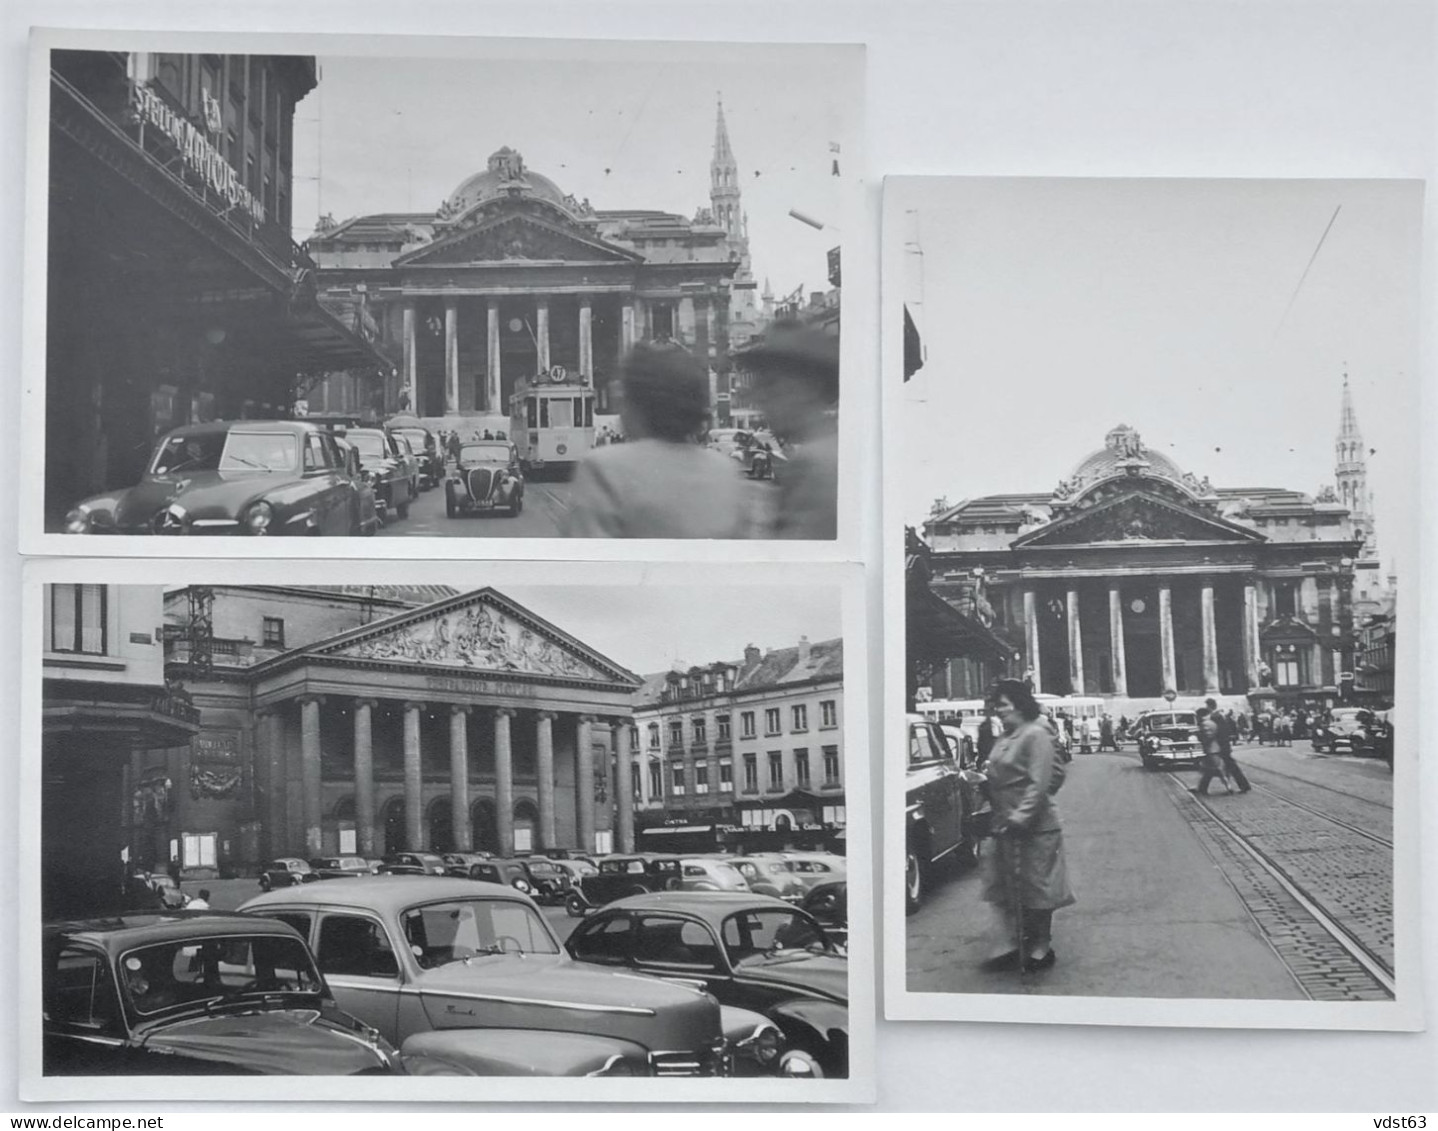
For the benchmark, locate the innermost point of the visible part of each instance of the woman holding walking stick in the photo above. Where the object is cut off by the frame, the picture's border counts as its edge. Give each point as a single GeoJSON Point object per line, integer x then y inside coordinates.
{"type": "Point", "coordinates": [1027, 878]}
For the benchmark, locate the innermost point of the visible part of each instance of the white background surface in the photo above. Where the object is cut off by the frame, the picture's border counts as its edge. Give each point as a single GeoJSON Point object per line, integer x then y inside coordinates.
{"type": "Point", "coordinates": [1155, 88]}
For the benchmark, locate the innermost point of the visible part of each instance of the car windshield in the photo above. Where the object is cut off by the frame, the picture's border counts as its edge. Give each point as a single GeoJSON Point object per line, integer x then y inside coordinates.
{"type": "Point", "coordinates": [260, 451]}
{"type": "Point", "coordinates": [188, 453]}
{"type": "Point", "coordinates": [924, 746]}
{"type": "Point", "coordinates": [414, 435]}
{"type": "Point", "coordinates": [370, 445]}
{"type": "Point", "coordinates": [460, 929]}
{"type": "Point", "coordinates": [212, 970]}
{"type": "Point", "coordinates": [542, 868]}
{"type": "Point", "coordinates": [762, 935]}
{"type": "Point", "coordinates": [1172, 719]}
{"type": "Point", "coordinates": [484, 453]}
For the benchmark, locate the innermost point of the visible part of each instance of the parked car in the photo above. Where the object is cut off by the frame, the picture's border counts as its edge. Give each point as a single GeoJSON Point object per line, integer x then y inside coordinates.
{"type": "Point", "coordinates": [1168, 738]}
{"type": "Point", "coordinates": [426, 449]}
{"type": "Point", "coordinates": [370, 518]}
{"type": "Point", "coordinates": [250, 477]}
{"type": "Point", "coordinates": [487, 476]}
{"type": "Point", "coordinates": [340, 867]}
{"type": "Point", "coordinates": [770, 875]}
{"type": "Point", "coordinates": [412, 864]}
{"type": "Point", "coordinates": [391, 472]}
{"type": "Point", "coordinates": [285, 872]}
{"type": "Point", "coordinates": [619, 876]}
{"type": "Point", "coordinates": [472, 974]}
{"type": "Point", "coordinates": [514, 873]}
{"type": "Point", "coordinates": [411, 460]}
{"type": "Point", "coordinates": [161, 888]}
{"type": "Point", "coordinates": [814, 868]}
{"type": "Point", "coordinates": [551, 880]}
{"type": "Point", "coordinates": [457, 863]}
{"type": "Point", "coordinates": [1349, 730]}
{"type": "Point", "coordinates": [942, 806]}
{"type": "Point", "coordinates": [747, 950]}
{"type": "Point", "coordinates": [709, 873]}
{"type": "Point", "coordinates": [195, 994]}
{"type": "Point", "coordinates": [828, 902]}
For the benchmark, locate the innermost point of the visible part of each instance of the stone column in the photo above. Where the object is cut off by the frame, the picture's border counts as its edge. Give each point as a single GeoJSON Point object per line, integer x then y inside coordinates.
{"type": "Point", "coordinates": [584, 784]}
{"type": "Point", "coordinates": [1075, 643]}
{"type": "Point", "coordinates": [1031, 637]}
{"type": "Point", "coordinates": [541, 331]}
{"type": "Point", "coordinates": [459, 777]}
{"type": "Point", "coordinates": [544, 770]}
{"type": "Point", "coordinates": [1250, 634]}
{"type": "Point", "coordinates": [1210, 641]}
{"type": "Point", "coordinates": [267, 754]}
{"type": "Point", "coordinates": [586, 340]}
{"type": "Point", "coordinates": [451, 357]}
{"type": "Point", "coordinates": [624, 785]}
{"type": "Point", "coordinates": [411, 380]}
{"type": "Point", "coordinates": [364, 776]}
{"type": "Point", "coordinates": [413, 780]}
{"type": "Point", "coordinates": [1115, 640]}
{"type": "Point", "coordinates": [1165, 636]}
{"type": "Point", "coordinates": [503, 781]}
{"type": "Point", "coordinates": [492, 397]}
{"type": "Point", "coordinates": [310, 771]}
{"type": "Point", "coordinates": [626, 329]}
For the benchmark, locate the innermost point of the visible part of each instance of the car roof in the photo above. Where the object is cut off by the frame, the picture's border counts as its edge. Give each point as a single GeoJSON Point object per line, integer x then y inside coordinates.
{"type": "Point", "coordinates": [384, 893]}
{"type": "Point", "coordinates": [713, 906]}
{"type": "Point", "coordinates": [219, 427]}
{"type": "Point", "coordinates": [124, 932]}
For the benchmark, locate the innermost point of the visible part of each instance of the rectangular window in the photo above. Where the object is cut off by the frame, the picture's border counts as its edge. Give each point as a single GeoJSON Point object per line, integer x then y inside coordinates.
{"type": "Point", "coordinates": [656, 781]}
{"type": "Point", "coordinates": [746, 724]}
{"type": "Point", "coordinates": [771, 720]}
{"type": "Point", "coordinates": [274, 629]}
{"type": "Point", "coordinates": [676, 780]}
{"type": "Point", "coordinates": [676, 733]}
{"type": "Point", "coordinates": [1287, 671]}
{"type": "Point", "coordinates": [723, 722]}
{"type": "Point", "coordinates": [828, 713]}
{"type": "Point", "coordinates": [77, 619]}
{"type": "Point", "coordinates": [636, 787]}
{"type": "Point", "coordinates": [801, 717]}
{"type": "Point", "coordinates": [701, 734]}
{"type": "Point", "coordinates": [726, 777]}
{"type": "Point", "coordinates": [801, 768]}
{"type": "Point", "coordinates": [1285, 598]}
{"type": "Point", "coordinates": [751, 773]}
{"type": "Point", "coordinates": [701, 778]}
{"type": "Point", "coordinates": [633, 738]}
{"type": "Point", "coordinates": [653, 736]}
{"type": "Point", "coordinates": [776, 770]}
{"type": "Point", "coordinates": [831, 765]}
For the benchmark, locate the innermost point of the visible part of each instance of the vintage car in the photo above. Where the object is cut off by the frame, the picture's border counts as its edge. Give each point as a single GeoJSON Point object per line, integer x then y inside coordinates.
{"type": "Point", "coordinates": [515, 873]}
{"type": "Point", "coordinates": [413, 864]}
{"type": "Point", "coordinates": [941, 803]}
{"type": "Point", "coordinates": [551, 879]}
{"type": "Point", "coordinates": [486, 477]}
{"type": "Point", "coordinates": [458, 863]}
{"type": "Point", "coordinates": [620, 876]}
{"type": "Point", "coordinates": [155, 889]}
{"type": "Point", "coordinates": [286, 872]}
{"type": "Point", "coordinates": [709, 873]}
{"type": "Point", "coordinates": [472, 974]}
{"type": "Point", "coordinates": [746, 950]}
{"type": "Point", "coordinates": [815, 868]}
{"type": "Point", "coordinates": [828, 902]}
{"type": "Point", "coordinates": [1349, 730]}
{"type": "Point", "coordinates": [340, 867]}
{"type": "Point", "coordinates": [370, 518]}
{"type": "Point", "coordinates": [254, 477]}
{"type": "Point", "coordinates": [391, 471]}
{"type": "Point", "coordinates": [769, 874]}
{"type": "Point", "coordinates": [1168, 738]}
{"type": "Point", "coordinates": [425, 447]}
{"type": "Point", "coordinates": [195, 994]}
{"type": "Point", "coordinates": [410, 460]}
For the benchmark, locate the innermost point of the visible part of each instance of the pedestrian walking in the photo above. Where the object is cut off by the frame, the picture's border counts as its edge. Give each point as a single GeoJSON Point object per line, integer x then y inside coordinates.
{"type": "Point", "coordinates": [660, 484]}
{"type": "Point", "coordinates": [988, 735]}
{"type": "Point", "coordinates": [1105, 734]}
{"type": "Point", "coordinates": [1209, 732]}
{"type": "Point", "coordinates": [1027, 877]}
{"type": "Point", "coordinates": [1232, 771]}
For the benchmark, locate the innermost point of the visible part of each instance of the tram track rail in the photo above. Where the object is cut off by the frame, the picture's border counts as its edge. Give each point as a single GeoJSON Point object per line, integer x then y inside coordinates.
{"type": "Point", "coordinates": [1251, 769]}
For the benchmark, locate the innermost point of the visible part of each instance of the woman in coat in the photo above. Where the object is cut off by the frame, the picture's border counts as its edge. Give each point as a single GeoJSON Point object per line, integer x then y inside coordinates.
{"type": "Point", "coordinates": [1027, 879]}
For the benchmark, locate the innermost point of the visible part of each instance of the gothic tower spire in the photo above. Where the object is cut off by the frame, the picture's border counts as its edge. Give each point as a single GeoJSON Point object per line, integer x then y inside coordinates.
{"type": "Point", "coordinates": [724, 180]}
{"type": "Point", "coordinates": [1350, 473]}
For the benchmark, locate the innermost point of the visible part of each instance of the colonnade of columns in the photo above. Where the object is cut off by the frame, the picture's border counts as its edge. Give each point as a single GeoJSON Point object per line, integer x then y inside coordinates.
{"type": "Point", "coordinates": [615, 737]}
{"type": "Point", "coordinates": [1117, 653]}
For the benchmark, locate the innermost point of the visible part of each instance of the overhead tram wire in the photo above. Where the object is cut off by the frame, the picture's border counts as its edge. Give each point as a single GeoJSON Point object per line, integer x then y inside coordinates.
{"type": "Point", "coordinates": [1293, 298]}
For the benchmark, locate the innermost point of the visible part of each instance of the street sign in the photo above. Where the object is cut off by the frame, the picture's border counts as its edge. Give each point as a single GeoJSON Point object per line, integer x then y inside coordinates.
{"type": "Point", "coordinates": [1170, 695]}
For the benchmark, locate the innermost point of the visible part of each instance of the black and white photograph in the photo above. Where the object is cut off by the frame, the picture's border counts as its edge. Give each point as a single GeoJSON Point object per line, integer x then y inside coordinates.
{"type": "Point", "coordinates": [1152, 459]}
{"type": "Point", "coordinates": [452, 824]}
{"type": "Point", "coordinates": [422, 289]}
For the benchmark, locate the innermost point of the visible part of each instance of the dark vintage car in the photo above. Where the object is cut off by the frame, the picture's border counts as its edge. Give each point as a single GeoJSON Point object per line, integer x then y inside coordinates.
{"type": "Point", "coordinates": [286, 872]}
{"type": "Point", "coordinates": [195, 994]}
{"type": "Point", "coordinates": [426, 449]}
{"type": "Point", "coordinates": [942, 803]}
{"type": "Point", "coordinates": [829, 904]}
{"type": "Point", "coordinates": [515, 873]}
{"type": "Point", "coordinates": [370, 519]}
{"type": "Point", "coordinates": [387, 467]}
{"type": "Point", "coordinates": [620, 876]}
{"type": "Point", "coordinates": [341, 867]}
{"type": "Point", "coordinates": [770, 874]}
{"type": "Point", "coordinates": [233, 477]}
{"type": "Point", "coordinates": [485, 477]}
{"type": "Point", "coordinates": [458, 863]}
{"type": "Point", "coordinates": [746, 950]}
{"type": "Point", "coordinates": [155, 889]}
{"type": "Point", "coordinates": [1168, 738]}
{"type": "Point", "coordinates": [412, 864]}
{"type": "Point", "coordinates": [551, 879]}
{"type": "Point", "coordinates": [471, 974]}
{"type": "Point", "coordinates": [1349, 730]}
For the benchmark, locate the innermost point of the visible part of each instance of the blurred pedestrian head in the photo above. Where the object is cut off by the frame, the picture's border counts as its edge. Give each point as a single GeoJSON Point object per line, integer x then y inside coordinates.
{"type": "Point", "coordinates": [796, 376]}
{"type": "Point", "coordinates": [1211, 704]}
{"type": "Point", "coordinates": [1018, 696]}
{"type": "Point", "coordinates": [665, 391]}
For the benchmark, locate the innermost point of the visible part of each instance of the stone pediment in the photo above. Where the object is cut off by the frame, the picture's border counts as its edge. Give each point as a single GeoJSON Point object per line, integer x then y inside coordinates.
{"type": "Point", "coordinates": [1137, 516]}
{"type": "Point", "coordinates": [484, 633]}
{"type": "Point", "coordinates": [516, 238]}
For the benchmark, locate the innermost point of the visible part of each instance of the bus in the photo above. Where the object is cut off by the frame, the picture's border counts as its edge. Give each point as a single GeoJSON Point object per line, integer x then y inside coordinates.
{"type": "Point", "coordinates": [551, 420]}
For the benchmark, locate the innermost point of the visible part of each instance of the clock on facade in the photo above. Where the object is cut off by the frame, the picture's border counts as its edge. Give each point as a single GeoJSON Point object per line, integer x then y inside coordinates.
{"type": "Point", "coordinates": [1138, 604]}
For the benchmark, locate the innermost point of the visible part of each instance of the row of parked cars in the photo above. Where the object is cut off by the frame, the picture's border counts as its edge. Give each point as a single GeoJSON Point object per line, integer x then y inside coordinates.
{"type": "Point", "coordinates": [438, 975]}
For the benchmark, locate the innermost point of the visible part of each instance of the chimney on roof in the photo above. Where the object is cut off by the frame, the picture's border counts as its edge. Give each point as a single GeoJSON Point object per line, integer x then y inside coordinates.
{"type": "Point", "coordinates": [804, 649]}
{"type": "Point", "coordinates": [752, 655]}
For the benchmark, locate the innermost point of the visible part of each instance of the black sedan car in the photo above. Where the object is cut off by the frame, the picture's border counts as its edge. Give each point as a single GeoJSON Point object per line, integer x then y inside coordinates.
{"type": "Point", "coordinates": [748, 951]}
{"type": "Point", "coordinates": [386, 467]}
{"type": "Point", "coordinates": [513, 873]}
{"type": "Point", "coordinates": [620, 876]}
{"type": "Point", "coordinates": [486, 477]}
{"type": "Point", "coordinates": [252, 477]}
{"type": "Point", "coordinates": [285, 872]}
{"type": "Point", "coordinates": [195, 994]}
{"type": "Point", "coordinates": [426, 449]}
{"type": "Point", "coordinates": [412, 864]}
{"type": "Point", "coordinates": [341, 867]}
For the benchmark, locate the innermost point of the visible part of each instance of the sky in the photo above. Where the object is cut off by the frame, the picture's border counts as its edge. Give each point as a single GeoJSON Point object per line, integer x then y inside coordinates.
{"type": "Point", "coordinates": [1215, 317]}
{"type": "Point", "coordinates": [396, 135]}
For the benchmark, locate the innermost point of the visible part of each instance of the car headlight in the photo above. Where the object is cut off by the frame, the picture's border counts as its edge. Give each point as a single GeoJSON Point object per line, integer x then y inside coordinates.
{"type": "Point", "coordinates": [522, 885]}
{"type": "Point", "coordinates": [258, 517]}
{"type": "Point", "coordinates": [799, 1065]}
{"type": "Point", "coordinates": [79, 521]}
{"type": "Point", "coordinates": [764, 1045]}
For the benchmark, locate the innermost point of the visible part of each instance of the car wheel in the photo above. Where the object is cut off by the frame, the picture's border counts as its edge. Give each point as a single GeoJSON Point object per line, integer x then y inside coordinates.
{"type": "Point", "coordinates": [450, 510]}
{"type": "Point", "coordinates": [914, 880]}
{"type": "Point", "coordinates": [575, 905]}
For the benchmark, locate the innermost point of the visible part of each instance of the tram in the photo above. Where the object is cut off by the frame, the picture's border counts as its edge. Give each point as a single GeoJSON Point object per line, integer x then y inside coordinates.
{"type": "Point", "coordinates": [551, 421]}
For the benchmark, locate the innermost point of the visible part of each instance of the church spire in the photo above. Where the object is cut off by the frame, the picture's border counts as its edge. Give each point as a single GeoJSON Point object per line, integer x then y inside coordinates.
{"type": "Point", "coordinates": [1350, 472]}
{"type": "Point", "coordinates": [724, 181]}
{"type": "Point", "coordinates": [723, 155]}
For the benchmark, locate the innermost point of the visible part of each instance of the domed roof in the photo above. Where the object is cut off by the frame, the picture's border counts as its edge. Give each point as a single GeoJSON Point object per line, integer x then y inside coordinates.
{"type": "Point", "coordinates": [505, 175]}
{"type": "Point", "coordinates": [1123, 449]}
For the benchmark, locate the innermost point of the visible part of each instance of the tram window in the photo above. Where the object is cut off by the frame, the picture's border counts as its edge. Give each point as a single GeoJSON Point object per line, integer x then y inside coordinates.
{"type": "Point", "coordinates": [544, 412]}
{"type": "Point", "coordinates": [532, 407]}
{"type": "Point", "coordinates": [589, 412]}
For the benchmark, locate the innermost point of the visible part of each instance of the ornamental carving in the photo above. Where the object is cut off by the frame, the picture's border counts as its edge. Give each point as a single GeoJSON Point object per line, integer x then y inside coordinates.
{"type": "Point", "coordinates": [476, 637]}
{"type": "Point", "coordinates": [1125, 443]}
{"type": "Point", "coordinates": [1136, 518]}
{"type": "Point", "coordinates": [514, 239]}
